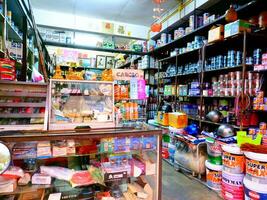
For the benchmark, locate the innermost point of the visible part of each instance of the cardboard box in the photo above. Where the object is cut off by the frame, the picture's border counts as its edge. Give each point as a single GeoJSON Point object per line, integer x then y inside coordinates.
{"type": "Point", "coordinates": [216, 34]}
{"type": "Point", "coordinates": [163, 118]}
{"type": "Point", "coordinates": [178, 120]}
{"type": "Point", "coordinates": [236, 27]}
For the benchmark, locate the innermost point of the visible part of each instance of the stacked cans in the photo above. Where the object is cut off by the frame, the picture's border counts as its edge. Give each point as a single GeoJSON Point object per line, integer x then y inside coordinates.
{"type": "Point", "coordinates": [233, 172]}
{"type": "Point", "coordinates": [231, 84]}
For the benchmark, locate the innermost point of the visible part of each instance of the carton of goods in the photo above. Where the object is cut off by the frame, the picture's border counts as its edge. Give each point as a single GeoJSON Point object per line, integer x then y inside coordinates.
{"type": "Point", "coordinates": [236, 27]}
{"type": "Point", "coordinates": [216, 34]}
{"type": "Point", "coordinates": [178, 120]}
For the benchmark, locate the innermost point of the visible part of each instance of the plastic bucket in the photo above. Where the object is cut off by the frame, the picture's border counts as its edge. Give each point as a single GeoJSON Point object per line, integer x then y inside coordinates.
{"type": "Point", "coordinates": [232, 186]}
{"type": "Point", "coordinates": [256, 167]}
{"type": "Point", "coordinates": [233, 159]}
{"type": "Point", "coordinates": [213, 175]}
{"type": "Point", "coordinates": [254, 191]}
{"type": "Point", "coordinates": [214, 150]}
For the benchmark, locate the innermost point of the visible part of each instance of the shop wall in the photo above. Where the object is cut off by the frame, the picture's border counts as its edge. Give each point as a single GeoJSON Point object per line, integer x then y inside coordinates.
{"type": "Point", "coordinates": [45, 17]}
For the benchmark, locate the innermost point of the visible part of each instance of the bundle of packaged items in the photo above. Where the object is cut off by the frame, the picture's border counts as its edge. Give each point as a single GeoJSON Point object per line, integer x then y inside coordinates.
{"type": "Point", "coordinates": [7, 69]}
{"type": "Point", "coordinates": [260, 102]}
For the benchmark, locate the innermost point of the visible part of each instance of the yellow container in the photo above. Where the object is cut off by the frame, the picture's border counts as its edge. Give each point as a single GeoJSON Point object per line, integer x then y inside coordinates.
{"type": "Point", "coordinates": [178, 120]}
{"type": "Point", "coordinates": [163, 118]}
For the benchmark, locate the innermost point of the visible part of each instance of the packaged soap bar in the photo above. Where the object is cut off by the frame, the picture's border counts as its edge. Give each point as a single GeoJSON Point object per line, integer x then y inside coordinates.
{"type": "Point", "coordinates": [44, 149]}
{"type": "Point", "coordinates": [59, 149]}
{"type": "Point", "coordinates": [41, 179]}
{"type": "Point", "coordinates": [7, 184]}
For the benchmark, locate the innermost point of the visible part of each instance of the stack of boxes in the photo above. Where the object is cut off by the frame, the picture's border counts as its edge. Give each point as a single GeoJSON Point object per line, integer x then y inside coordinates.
{"type": "Point", "coordinates": [260, 102]}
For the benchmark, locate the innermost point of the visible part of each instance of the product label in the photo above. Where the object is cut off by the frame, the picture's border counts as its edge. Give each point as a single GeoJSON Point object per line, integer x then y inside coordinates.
{"type": "Point", "coordinates": [232, 182]}
{"type": "Point", "coordinates": [256, 168]}
{"type": "Point", "coordinates": [216, 148]}
{"type": "Point", "coordinates": [233, 161]}
{"type": "Point", "coordinates": [252, 195]}
{"type": "Point", "coordinates": [214, 176]}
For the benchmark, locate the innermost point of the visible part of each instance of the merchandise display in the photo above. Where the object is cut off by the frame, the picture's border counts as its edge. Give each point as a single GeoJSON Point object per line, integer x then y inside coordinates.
{"type": "Point", "coordinates": [117, 164]}
{"type": "Point", "coordinates": [89, 108]}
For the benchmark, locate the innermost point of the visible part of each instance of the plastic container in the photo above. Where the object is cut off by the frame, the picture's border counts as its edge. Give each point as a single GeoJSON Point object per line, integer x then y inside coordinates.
{"type": "Point", "coordinates": [213, 175]}
{"type": "Point", "coordinates": [233, 159]}
{"type": "Point", "coordinates": [256, 167]}
{"type": "Point", "coordinates": [232, 186]}
{"type": "Point", "coordinates": [214, 151]}
{"type": "Point", "coordinates": [254, 191]}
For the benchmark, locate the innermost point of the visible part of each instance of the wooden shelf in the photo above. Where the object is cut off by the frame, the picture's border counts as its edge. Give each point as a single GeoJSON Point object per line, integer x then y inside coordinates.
{"type": "Point", "coordinates": [26, 104]}
{"type": "Point", "coordinates": [21, 115]}
{"type": "Point", "coordinates": [21, 94]}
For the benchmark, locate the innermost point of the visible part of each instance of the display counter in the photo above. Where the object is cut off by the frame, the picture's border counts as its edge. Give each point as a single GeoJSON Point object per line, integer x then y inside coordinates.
{"type": "Point", "coordinates": [123, 163]}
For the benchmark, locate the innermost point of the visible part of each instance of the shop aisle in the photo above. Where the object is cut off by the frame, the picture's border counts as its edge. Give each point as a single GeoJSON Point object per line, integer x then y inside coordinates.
{"type": "Point", "coordinates": [176, 186]}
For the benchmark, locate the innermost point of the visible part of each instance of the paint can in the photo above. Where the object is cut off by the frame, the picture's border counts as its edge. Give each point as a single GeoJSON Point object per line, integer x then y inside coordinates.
{"type": "Point", "coordinates": [213, 175]}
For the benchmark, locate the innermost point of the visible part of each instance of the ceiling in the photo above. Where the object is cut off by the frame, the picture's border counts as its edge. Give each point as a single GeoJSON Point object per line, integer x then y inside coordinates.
{"type": "Point", "coordinates": [138, 12]}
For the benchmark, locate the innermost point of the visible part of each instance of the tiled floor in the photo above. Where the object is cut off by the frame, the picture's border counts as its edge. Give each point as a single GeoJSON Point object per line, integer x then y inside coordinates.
{"type": "Point", "coordinates": [177, 186]}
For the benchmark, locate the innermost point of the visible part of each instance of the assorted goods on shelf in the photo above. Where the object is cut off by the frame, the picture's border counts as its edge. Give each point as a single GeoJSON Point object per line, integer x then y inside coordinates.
{"type": "Point", "coordinates": [260, 102]}
{"type": "Point", "coordinates": [194, 22]}
{"type": "Point", "coordinates": [113, 167]}
{"type": "Point", "coordinates": [22, 104]}
{"type": "Point", "coordinates": [131, 100]}
{"type": "Point", "coordinates": [182, 143]}
{"type": "Point", "coordinates": [68, 37]}
{"type": "Point", "coordinates": [148, 62]}
{"type": "Point", "coordinates": [197, 43]}
{"type": "Point", "coordinates": [81, 102]}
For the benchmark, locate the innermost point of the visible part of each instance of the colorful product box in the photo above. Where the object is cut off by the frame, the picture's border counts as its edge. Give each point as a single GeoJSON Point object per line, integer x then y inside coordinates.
{"type": "Point", "coordinates": [236, 27]}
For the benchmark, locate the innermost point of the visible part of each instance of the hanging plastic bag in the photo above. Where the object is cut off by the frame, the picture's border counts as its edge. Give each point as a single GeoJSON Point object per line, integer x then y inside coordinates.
{"type": "Point", "coordinates": [36, 76]}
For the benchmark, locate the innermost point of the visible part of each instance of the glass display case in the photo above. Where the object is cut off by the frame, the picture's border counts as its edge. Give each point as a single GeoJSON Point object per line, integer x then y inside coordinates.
{"type": "Point", "coordinates": [119, 163]}
{"type": "Point", "coordinates": [81, 103]}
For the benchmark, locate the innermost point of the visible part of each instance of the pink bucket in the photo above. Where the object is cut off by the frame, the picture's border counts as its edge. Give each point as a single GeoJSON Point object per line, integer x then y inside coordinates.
{"type": "Point", "coordinates": [232, 186]}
